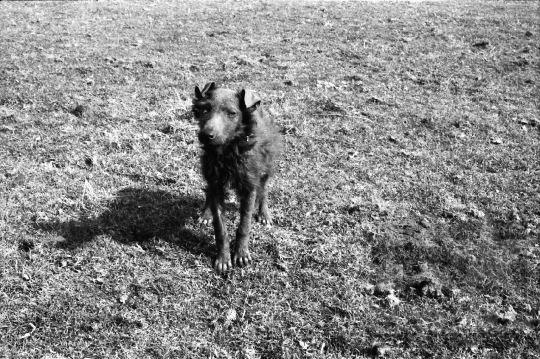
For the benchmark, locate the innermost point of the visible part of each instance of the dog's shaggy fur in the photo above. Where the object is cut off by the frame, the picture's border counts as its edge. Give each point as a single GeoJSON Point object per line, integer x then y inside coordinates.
{"type": "Point", "coordinates": [239, 143]}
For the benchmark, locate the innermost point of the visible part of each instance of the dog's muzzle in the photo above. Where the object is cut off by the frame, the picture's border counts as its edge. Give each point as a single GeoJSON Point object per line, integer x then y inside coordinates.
{"type": "Point", "coordinates": [207, 137]}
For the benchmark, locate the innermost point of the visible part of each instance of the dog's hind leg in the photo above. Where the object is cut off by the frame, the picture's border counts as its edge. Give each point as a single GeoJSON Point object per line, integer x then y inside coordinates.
{"type": "Point", "coordinates": [263, 216]}
{"type": "Point", "coordinates": [242, 257]}
{"type": "Point", "coordinates": [205, 218]}
{"type": "Point", "coordinates": [222, 263]}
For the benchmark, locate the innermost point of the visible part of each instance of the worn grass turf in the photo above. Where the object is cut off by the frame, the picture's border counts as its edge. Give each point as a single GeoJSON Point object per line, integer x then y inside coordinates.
{"type": "Point", "coordinates": [407, 203]}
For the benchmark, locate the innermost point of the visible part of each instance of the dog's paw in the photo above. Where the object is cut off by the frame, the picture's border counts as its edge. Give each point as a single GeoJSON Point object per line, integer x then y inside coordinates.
{"type": "Point", "coordinates": [205, 218]}
{"type": "Point", "coordinates": [242, 257]}
{"type": "Point", "coordinates": [264, 218]}
{"type": "Point", "coordinates": [222, 263]}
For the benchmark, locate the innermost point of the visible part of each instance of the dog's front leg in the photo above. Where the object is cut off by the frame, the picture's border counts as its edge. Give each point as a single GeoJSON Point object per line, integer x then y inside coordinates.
{"type": "Point", "coordinates": [222, 263]}
{"type": "Point", "coordinates": [242, 257]}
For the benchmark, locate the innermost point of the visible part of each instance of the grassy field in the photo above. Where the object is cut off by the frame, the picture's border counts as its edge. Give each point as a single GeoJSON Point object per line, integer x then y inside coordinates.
{"type": "Point", "coordinates": [407, 202]}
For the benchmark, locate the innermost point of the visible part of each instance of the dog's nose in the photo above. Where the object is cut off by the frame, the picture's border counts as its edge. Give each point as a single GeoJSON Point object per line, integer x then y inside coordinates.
{"type": "Point", "coordinates": [206, 136]}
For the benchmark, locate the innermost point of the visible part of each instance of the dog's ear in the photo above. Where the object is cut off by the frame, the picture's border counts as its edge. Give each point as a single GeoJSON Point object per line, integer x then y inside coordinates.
{"type": "Point", "coordinates": [250, 100]}
{"type": "Point", "coordinates": [207, 88]}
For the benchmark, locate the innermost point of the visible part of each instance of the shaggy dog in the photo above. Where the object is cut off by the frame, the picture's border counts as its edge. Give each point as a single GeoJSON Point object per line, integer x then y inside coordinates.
{"type": "Point", "coordinates": [239, 143]}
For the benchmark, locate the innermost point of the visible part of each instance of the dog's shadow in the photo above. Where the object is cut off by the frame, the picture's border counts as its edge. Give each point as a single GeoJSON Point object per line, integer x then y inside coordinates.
{"type": "Point", "coordinates": [138, 215]}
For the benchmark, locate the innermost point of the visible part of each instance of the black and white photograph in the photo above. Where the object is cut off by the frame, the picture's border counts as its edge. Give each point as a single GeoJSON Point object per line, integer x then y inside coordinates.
{"type": "Point", "coordinates": [267, 179]}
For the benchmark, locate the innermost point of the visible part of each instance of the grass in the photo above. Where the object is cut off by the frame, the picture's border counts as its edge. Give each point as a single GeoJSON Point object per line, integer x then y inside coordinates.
{"type": "Point", "coordinates": [407, 202]}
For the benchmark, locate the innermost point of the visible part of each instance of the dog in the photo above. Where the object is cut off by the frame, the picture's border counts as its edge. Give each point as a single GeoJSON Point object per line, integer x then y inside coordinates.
{"type": "Point", "coordinates": [240, 143]}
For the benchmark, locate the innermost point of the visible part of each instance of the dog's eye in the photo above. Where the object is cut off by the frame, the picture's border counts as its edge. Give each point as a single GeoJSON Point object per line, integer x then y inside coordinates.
{"type": "Point", "coordinates": [231, 113]}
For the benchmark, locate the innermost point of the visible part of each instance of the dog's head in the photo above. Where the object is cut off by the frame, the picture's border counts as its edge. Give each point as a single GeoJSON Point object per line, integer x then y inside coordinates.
{"type": "Point", "coordinates": [225, 115]}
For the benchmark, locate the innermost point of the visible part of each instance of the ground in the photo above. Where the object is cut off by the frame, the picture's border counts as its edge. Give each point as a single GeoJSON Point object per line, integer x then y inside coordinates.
{"type": "Point", "coordinates": [406, 203]}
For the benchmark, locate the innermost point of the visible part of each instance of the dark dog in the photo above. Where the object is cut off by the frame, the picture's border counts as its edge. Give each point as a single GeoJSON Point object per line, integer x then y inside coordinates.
{"type": "Point", "coordinates": [239, 143]}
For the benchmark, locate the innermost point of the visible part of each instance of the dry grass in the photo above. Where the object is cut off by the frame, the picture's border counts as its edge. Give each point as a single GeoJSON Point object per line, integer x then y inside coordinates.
{"type": "Point", "coordinates": [407, 202]}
